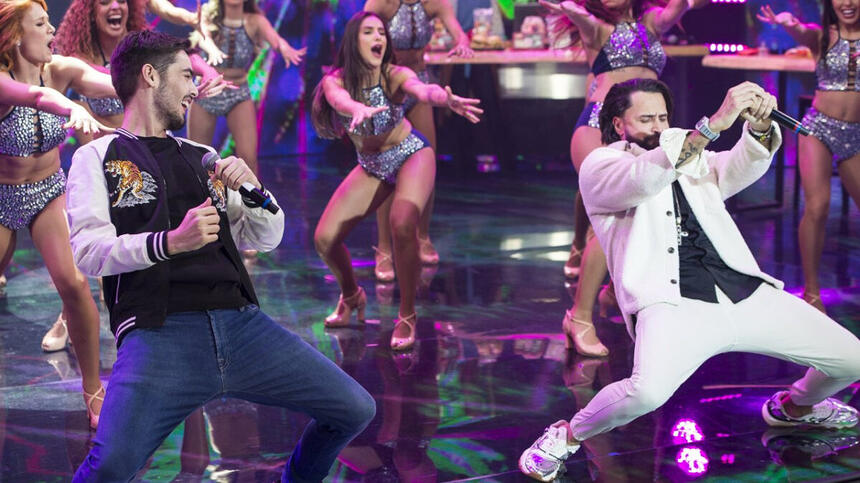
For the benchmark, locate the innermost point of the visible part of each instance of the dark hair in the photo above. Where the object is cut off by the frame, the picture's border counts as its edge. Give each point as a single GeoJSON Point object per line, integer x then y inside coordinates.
{"type": "Point", "coordinates": [353, 70]}
{"type": "Point", "coordinates": [213, 11]}
{"type": "Point", "coordinates": [828, 20]}
{"type": "Point", "coordinates": [137, 49]}
{"type": "Point", "coordinates": [618, 100]}
{"type": "Point", "coordinates": [561, 26]}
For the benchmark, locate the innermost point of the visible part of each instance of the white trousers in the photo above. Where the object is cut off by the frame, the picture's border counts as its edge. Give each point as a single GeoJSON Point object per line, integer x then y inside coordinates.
{"type": "Point", "coordinates": [673, 341]}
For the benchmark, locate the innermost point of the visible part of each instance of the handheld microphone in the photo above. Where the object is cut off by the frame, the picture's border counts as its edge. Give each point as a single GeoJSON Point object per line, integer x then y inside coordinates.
{"type": "Point", "coordinates": [247, 190]}
{"type": "Point", "coordinates": [788, 122]}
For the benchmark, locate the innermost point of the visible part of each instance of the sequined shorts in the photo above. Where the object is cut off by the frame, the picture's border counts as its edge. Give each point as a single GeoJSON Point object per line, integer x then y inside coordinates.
{"type": "Point", "coordinates": [224, 102]}
{"type": "Point", "coordinates": [386, 164]}
{"type": "Point", "coordinates": [842, 138]}
{"type": "Point", "coordinates": [410, 101]}
{"type": "Point", "coordinates": [20, 203]}
{"type": "Point", "coordinates": [590, 116]}
{"type": "Point", "coordinates": [104, 106]}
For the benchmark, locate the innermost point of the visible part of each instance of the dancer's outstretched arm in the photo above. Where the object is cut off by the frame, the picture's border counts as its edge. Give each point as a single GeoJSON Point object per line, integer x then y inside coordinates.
{"type": "Point", "coordinates": [587, 24]}
{"type": "Point", "coordinates": [264, 30]}
{"type": "Point", "coordinates": [661, 19]}
{"type": "Point", "coordinates": [808, 34]}
{"type": "Point", "coordinates": [437, 96]}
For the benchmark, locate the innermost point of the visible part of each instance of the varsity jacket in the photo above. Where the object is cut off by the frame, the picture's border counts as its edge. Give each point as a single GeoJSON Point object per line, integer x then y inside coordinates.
{"type": "Point", "coordinates": [627, 193]}
{"type": "Point", "coordinates": [116, 200]}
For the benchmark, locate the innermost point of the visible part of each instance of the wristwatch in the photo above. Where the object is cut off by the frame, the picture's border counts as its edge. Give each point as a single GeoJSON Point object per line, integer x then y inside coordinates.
{"type": "Point", "coordinates": [702, 127]}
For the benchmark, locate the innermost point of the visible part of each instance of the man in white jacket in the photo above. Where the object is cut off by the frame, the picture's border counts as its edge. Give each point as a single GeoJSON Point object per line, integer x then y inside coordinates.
{"type": "Point", "coordinates": [686, 282]}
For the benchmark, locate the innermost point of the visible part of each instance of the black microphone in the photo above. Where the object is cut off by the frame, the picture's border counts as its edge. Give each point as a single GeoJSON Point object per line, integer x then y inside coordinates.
{"type": "Point", "coordinates": [247, 190]}
{"type": "Point", "coordinates": [788, 122]}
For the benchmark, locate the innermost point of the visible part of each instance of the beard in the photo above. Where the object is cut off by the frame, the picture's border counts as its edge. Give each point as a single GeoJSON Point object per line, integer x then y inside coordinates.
{"type": "Point", "coordinates": [648, 142]}
{"type": "Point", "coordinates": [172, 119]}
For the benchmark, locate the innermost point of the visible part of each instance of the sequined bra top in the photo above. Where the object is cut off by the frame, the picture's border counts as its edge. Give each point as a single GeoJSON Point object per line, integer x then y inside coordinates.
{"type": "Point", "coordinates": [26, 130]}
{"type": "Point", "coordinates": [410, 27]}
{"type": "Point", "coordinates": [381, 122]}
{"type": "Point", "coordinates": [237, 45]}
{"type": "Point", "coordinates": [838, 70]}
{"type": "Point", "coordinates": [631, 44]}
{"type": "Point", "coordinates": [103, 106]}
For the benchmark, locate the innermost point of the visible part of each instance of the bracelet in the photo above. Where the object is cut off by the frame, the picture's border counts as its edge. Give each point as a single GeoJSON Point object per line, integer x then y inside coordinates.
{"type": "Point", "coordinates": [760, 136]}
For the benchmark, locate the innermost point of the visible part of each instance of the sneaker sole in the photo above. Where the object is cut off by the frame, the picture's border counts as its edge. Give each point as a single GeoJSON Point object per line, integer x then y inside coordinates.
{"type": "Point", "coordinates": [534, 476]}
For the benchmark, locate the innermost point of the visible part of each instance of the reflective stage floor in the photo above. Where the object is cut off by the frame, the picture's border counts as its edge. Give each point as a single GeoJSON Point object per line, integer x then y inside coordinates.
{"type": "Point", "coordinates": [490, 370]}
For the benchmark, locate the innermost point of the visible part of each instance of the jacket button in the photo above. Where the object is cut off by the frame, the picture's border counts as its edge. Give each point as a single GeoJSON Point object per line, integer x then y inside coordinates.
{"type": "Point", "coordinates": [673, 282]}
{"type": "Point", "coordinates": [671, 249]}
{"type": "Point", "coordinates": [668, 213]}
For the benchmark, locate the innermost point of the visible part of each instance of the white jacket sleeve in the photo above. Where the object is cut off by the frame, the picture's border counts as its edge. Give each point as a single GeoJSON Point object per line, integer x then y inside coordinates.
{"type": "Point", "coordinates": [616, 179]}
{"type": "Point", "coordinates": [97, 249]}
{"type": "Point", "coordinates": [253, 228]}
{"type": "Point", "coordinates": [745, 163]}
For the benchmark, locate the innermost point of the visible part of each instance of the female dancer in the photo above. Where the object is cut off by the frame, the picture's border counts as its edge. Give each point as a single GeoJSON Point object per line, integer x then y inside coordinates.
{"type": "Point", "coordinates": [32, 126]}
{"type": "Point", "coordinates": [621, 41]}
{"type": "Point", "coordinates": [364, 96]}
{"type": "Point", "coordinates": [834, 120]}
{"type": "Point", "coordinates": [410, 26]}
{"type": "Point", "coordinates": [238, 27]}
{"type": "Point", "coordinates": [108, 23]}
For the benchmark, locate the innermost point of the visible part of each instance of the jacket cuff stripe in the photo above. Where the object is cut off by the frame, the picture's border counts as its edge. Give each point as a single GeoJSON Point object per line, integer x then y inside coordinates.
{"type": "Point", "coordinates": [156, 246]}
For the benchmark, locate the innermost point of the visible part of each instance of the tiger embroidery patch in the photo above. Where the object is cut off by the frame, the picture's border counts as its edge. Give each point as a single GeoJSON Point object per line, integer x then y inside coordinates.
{"type": "Point", "coordinates": [135, 187]}
{"type": "Point", "coordinates": [218, 193]}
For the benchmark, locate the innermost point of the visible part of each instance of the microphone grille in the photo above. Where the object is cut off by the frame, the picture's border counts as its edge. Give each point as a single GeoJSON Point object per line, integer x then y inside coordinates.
{"type": "Point", "coordinates": [209, 160]}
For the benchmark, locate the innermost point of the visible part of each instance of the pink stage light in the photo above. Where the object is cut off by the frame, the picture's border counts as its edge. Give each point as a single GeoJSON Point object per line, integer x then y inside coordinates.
{"type": "Point", "coordinates": [686, 431]}
{"type": "Point", "coordinates": [692, 461]}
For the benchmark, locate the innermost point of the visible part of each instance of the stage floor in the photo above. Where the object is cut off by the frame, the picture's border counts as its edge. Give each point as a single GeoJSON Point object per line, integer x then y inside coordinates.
{"type": "Point", "coordinates": [490, 370]}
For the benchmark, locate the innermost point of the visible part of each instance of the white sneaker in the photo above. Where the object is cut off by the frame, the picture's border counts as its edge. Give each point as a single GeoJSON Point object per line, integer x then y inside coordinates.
{"type": "Point", "coordinates": [545, 457]}
{"type": "Point", "coordinates": [830, 413]}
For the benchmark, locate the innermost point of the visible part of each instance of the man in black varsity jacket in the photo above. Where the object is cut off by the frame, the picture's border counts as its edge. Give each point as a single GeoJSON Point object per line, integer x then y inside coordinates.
{"type": "Point", "coordinates": [164, 234]}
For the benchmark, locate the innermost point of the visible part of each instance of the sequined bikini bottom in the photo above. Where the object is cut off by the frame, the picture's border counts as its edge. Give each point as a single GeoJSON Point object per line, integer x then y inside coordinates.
{"type": "Point", "coordinates": [20, 203]}
{"type": "Point", "coordinates": [590, 116]}
{"type": "Point", "coordinates": [842, 138]}
{"type": "Point", "coordinates": [223, 103]}
{"type": "Point", "coordinates": [386, 164]}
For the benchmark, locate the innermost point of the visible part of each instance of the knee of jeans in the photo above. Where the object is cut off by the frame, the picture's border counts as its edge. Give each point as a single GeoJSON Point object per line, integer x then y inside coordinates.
{"type": "Point", "coordinates": [848, 367]}
{"type": "Point", "coordinates": [361, 411]}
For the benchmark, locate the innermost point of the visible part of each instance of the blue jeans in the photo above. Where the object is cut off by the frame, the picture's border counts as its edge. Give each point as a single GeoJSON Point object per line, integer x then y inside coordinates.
{"type": "Point", "coordinates": [163, 374]}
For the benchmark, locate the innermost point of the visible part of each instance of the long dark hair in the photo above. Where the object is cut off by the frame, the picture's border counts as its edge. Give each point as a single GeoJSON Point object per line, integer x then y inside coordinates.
{"type": "Point", "coordinates": [351, 68]}
{"type": "Point", "coordinates": [828, 20]}
{"type": "Point", "coordinates": [561, 25]}
{"type": "Point", "coordinates": [213, 10]}
{"type": "Point", "coordinates": [618, 100]}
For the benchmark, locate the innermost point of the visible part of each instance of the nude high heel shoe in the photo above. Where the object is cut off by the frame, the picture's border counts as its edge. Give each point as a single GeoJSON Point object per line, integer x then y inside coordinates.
{"type": "Point", "coordinates": [345, 305]}
{"type": "Point", "coordinates": [404, 343]}
{"type": "Point", "coordinates": [571, 267]}
{"type": "Point", "coordinates": [574, 330]}
{"type": "Point", "coordinates": [57, 337]}
{"type": "Point", "coordinates": [384, 266]}
{"type": "Point", "coordinates": [427, 252]}
{"type": "Point", "coordinates": [99, 395]}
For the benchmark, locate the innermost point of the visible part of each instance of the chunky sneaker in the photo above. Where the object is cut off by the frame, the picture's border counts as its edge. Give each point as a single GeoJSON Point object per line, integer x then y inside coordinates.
{"type": "Point", "coordinates": [829, 413]}
{"type": "Point", "coordinates": [545, 458]}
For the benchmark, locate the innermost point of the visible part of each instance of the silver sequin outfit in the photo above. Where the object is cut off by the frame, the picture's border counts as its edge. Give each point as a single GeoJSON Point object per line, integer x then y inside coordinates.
{"type": "Point", "coordinates": [410, 27]}
{"type": "Point", "coordinates": [590, 115]}
{"type": "Point", "coordinates": [842, 138]}
{"type": "Point", "coordinates": [26, 130]}
{"type": "Point", "coordinates": [385, 164]}
{"type": "Point", "coordinates": [223, 103]}
{"type": "Point", "coordinates": [104, 106]}
{"type": "Point", "coordinates": [20, 203]}
{"type": "Point", "coordinates": [631, 44]}
{"type": "Point", "coordinates": [839, 70]}
{"type": "Point", "coordinates": [237, 45]}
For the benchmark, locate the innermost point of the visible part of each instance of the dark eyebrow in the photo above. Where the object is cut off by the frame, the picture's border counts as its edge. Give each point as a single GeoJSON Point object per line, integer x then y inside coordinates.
{"type": "Point", "coordinates": [188, 71]}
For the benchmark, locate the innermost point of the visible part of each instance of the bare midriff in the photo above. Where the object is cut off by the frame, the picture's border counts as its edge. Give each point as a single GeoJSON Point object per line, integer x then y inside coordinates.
{"type": "Point", "coordinates": [842, 105]}
{"type": "Point", "coordinates": [29, 169]}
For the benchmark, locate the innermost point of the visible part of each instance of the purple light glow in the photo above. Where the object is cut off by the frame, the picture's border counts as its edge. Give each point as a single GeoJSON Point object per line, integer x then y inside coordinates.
{"type": "Point", "coordinates": [692, 461]}
{"type": "Point", "coordinates": [686, 431]}
{"type": "Point", "coordinates": [728, 459]}
{"type": "Point", "coordinates": [719, 398]}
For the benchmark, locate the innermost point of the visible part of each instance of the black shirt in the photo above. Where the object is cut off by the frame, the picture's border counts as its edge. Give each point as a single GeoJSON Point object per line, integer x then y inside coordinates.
{"type": "Point", "coordinates": [701, 267]}
{"type": "Point", "coordinates": [204, 279]}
